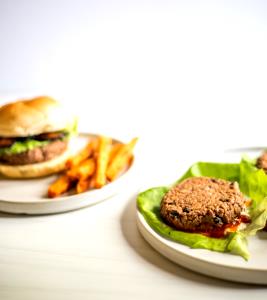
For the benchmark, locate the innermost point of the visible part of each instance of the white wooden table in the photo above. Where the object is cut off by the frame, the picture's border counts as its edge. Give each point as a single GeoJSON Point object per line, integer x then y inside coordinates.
{"type": "Point", "coordinates": [97, 253]}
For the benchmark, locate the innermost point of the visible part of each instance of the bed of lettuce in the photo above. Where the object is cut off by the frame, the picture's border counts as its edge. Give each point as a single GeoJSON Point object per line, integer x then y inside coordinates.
{"type": "Point", "coordinates": [252, 182]}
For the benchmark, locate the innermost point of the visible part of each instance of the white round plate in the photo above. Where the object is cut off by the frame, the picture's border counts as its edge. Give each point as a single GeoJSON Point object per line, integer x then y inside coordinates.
{"type": "Point", "coordinates": [220, 265]}
{"type": "Point", "coordinates": [29, 196]}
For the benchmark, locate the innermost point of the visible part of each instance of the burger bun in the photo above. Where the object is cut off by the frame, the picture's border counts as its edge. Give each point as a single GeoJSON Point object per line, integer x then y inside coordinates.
{"type": "Point", "coordinates": [32, 117]}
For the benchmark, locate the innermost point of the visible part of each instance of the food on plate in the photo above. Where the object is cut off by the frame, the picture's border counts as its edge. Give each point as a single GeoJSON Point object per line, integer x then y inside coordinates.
{"type": "Point", "coordinates": [261, 162]}
{"type": "Point", "coordinates": [114, 150]}
{"type": "Point", "coordinates": [121, 157]}
{"type": "Point", "coordinates": [88, 169]}
{"type": "Point", "coordinates": [34, 137]}
{"type": "Point", "coordinates": [102, 159]}
{"type": "Point", "coordinates": [83, 185]}
{"type": "Point", "coordinates": [88, 151]}
{"type": "Point", "coordinates": [60, 186]}
{"type": "Point", "coordinates": [82, 171]}
{"type": "Point", "coordinates": [234, 193]}
{"type": "Point", "coordinates": [203, 204]}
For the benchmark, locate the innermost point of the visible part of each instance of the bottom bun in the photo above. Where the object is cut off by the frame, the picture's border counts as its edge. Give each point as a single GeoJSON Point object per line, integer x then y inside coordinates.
{"type": "Point", "coordinates": [49, 167]}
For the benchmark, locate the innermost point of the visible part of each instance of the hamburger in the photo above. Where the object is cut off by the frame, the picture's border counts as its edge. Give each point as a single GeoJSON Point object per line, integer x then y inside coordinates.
{"type": "Point", "coordinates": [34, 137]}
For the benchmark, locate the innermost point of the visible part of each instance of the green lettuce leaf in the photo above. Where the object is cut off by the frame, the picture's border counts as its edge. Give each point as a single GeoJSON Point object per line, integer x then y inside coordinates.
{"type": "Point", "coordinates": [149, 202]}
{"type": "Point", "coordinates": [149, 205]}
{"type": "Point", "coordinates": [253, 182]}
{"type": "Point", "coordinates": [22, 146]}
{"type": "Point", "coordinates": [72, 128]}
{"type": "Point", "coordinates": [218, 170]}
{"type": "Point", "coordinates": [31, 143]}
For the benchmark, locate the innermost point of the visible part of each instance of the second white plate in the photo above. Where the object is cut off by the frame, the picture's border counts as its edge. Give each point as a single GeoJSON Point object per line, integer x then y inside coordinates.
{"type": "Point", "coordinates": [220, 265]}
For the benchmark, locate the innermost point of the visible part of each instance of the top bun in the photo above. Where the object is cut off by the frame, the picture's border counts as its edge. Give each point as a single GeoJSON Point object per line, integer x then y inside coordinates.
{"type": "Point", "coordinates": [32, 117]}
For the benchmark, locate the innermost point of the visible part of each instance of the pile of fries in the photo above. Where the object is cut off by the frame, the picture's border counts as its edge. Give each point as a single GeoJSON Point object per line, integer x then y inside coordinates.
{"type": "Point", "coordinates": [100, 162]}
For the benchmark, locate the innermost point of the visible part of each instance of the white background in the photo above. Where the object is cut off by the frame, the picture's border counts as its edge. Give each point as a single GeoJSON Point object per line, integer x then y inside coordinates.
{"type": "Point", "coordinates": [187, 77]}
{"type": "Point", "coordinates": [177, 70]}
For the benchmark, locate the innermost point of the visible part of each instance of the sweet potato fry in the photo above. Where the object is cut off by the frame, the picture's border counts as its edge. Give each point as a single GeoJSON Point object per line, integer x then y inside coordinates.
{"type": "Point", "coordinates": [83, 185]}
{"type": "Point", "coordinates": [120, 160]}
{"type": "Point", "coordinates": [114, 150]}
{"type": "Point", "coordinates": [60, 186]}
{"type": "Point", "coordinates": [85, 153]}
{"type": "Point", "coordinates": [102, 159]}
{"type": "Point", "coordinates": [83, 170]}
{"type": "Point", "coordinates": [92, 182]}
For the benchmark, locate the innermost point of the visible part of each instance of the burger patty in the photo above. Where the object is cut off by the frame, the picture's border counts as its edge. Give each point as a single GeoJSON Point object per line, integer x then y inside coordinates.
{"type": "Point", "coordinates": [262, 162]}
{"type": "Point", "coordinates": [202, 204]}
{"type": "Point", "coordinates": [36, 155]}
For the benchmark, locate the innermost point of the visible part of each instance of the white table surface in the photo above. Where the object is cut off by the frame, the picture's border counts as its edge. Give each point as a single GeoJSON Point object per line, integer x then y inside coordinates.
{"type": "Point", "coordinates": [187, 77]}
{"type": "Point", "coordinates": [98, 253]}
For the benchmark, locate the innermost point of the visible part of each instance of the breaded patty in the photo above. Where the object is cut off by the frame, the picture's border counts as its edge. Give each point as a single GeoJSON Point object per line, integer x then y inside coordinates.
{"type": "Point", "coordinates": [201, 204]}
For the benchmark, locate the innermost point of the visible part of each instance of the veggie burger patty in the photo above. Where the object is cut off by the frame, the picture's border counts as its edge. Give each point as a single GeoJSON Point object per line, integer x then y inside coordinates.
{"type": "Point", "coordinates": [202, 204]}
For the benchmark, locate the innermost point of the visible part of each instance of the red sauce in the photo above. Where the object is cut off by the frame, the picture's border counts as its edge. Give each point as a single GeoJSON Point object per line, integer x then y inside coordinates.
{"type": "Point", "coordinates": [221, 231]}
{"type": "Point", "coordinates": [231, 227]}
{"type": "Point", "coordinates": [245, 219]}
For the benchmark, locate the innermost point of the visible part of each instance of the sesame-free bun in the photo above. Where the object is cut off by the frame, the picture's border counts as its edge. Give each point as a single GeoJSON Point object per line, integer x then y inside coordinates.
{"type": "Point", "coordinates": [49, 167]}
{"type": "Point", "coordinates": [32, 117]}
